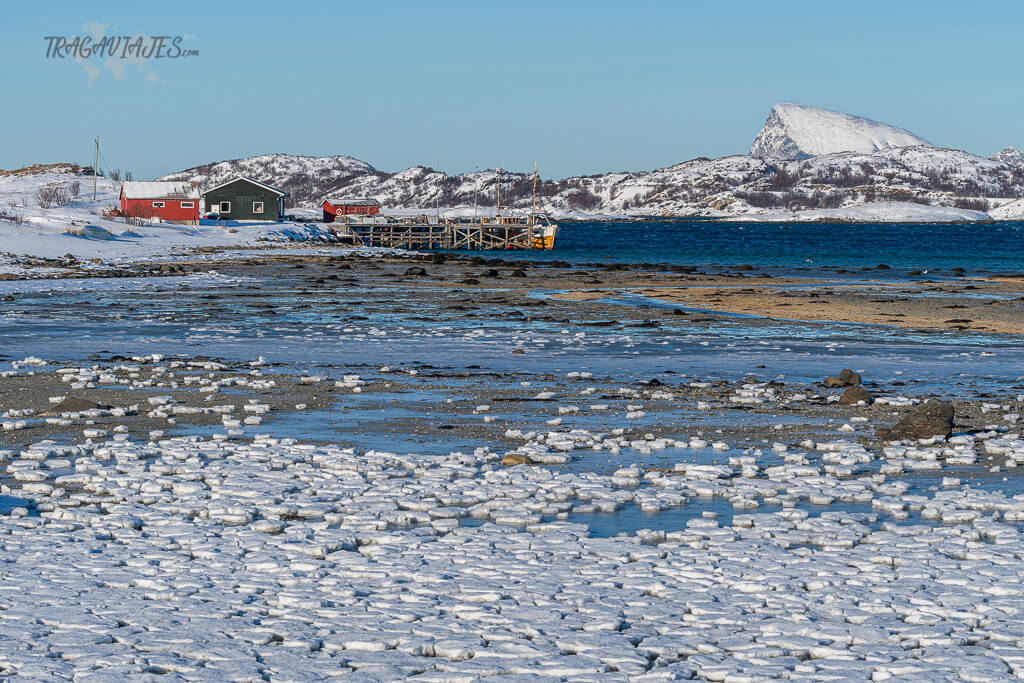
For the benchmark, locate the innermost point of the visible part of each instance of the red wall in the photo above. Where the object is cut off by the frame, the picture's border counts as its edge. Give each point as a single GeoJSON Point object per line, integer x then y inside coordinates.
{"type": "Point", "coordinates": [171, 210]}
{"type": "Point", "coordinates": [346, 210]}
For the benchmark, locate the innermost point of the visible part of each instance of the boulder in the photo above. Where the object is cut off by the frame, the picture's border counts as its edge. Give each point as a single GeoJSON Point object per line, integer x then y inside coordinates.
{"type": "Point", "coordinates": [90, 232]}
{"type": "Point", "coordinates": [73, 405]}
{"type": "Point", "coordinates": [854, 395]}
{"type": "Point", "coordinates": [512, 459]}
{"type": "Point", "coordinates": [846, 378]}
{"type": "Point", "coordinates": [923, 421]}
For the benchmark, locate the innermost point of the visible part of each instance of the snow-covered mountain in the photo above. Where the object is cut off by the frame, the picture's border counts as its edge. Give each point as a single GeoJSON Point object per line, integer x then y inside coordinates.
{"type": "Point", "coordinates": [796, 131]}
{"type": "Point", "coordinates": [1009, 155]}
{"type": "Point", "coordinates": [838, 161]}
{"type": "Point", "coordinates": [298, 175]}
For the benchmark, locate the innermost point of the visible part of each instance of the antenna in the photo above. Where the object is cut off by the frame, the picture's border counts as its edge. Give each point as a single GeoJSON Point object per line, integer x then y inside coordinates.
{"type": "Point", "coordinates": [95, 168]}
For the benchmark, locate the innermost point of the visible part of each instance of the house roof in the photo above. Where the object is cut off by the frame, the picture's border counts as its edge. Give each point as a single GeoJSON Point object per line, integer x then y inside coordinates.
{"type": "Point", "coordinates": [339, 201]}
{"type": "Point", "coordinates": [136, 189]}
{"type": "Point", "coordinates": [280, 193]}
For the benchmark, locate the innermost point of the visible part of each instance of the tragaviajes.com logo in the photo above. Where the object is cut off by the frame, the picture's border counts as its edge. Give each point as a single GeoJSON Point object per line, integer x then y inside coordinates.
{"type": "Point", "coordinates": [117, 52]}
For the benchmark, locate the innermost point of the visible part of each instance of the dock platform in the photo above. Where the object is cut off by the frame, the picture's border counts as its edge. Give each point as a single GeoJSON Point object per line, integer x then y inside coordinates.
{"type": "Point", "coordinates": [423, 235]}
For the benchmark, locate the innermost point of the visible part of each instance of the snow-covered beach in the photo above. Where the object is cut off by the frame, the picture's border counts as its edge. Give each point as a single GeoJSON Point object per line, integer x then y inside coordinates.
{"type": "Point", "coordinates": [303, 465]}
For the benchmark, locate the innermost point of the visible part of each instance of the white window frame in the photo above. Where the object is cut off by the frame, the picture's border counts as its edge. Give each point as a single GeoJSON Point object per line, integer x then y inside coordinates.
{"type": "Point", "coordinates": [158, 205]}
{"type": "Point", "coordinates": [221, 209]}
{"type": "Point", "coordinates": [188, 205]}
{"type": "Point", "coordinates": [254, 210]}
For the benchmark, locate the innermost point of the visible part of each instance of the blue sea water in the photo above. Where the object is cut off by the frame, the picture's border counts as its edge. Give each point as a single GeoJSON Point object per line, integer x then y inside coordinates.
{"type": "Point", "coordinates": [990, 247]}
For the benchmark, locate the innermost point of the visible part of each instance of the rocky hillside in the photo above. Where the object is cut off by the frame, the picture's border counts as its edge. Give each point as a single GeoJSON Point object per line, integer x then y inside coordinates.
{"type": "Point", "coordinates": [1011, 156]}
{"type": "Point", "coordinates": [788, 170]}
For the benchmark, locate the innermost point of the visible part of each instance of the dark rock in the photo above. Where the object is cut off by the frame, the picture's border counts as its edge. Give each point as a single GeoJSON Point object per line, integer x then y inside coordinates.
{"type": "Point", "coordinates": [923, 421]}
{"type": "Point", "coordinates": [490, 272]}
{"type": "Point", "coordinates": [517, 273]}
{"type": "Point", "coordinates": [73, 405]}
{"type": "Point", "coordinates": [470, 281]}
{"type": "Point", "coordinates": [416, 272]}
{"type": "Point", "coordinates": [850, 377]}
{"type": "Point", "coordinates": [854, 395]}
{"type": "Point", "coordinates": [846, 378]}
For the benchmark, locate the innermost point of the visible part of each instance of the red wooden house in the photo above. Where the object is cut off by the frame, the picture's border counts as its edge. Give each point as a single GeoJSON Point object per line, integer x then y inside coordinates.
{"type": "Point", "coordinates": [172, 202]}
{"type": "Point", "coordinates": [336, 206]}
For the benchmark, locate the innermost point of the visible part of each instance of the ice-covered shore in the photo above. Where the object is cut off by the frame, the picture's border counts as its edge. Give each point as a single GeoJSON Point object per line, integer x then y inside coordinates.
{"type": "Point", "coordinates": [273, 559]}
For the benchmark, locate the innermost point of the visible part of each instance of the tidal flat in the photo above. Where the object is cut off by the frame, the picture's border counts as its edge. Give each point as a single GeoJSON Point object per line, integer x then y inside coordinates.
{"type": "Point", "coordinates": [296, 466]}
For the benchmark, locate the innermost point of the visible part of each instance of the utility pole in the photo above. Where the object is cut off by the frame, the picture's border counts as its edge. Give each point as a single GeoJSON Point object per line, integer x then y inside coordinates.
{"type": "Point", "coordinates": [95, 168]}
{"type": "Point", "coordinates": [499, 191]}
{"type": "Point", "coordinates": [476, 190]}
{"type": "Point", "coordinates": [437, 211]}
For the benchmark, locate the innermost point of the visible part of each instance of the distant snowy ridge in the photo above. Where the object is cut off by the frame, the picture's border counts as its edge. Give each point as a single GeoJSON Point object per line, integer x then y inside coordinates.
{"type": "Point", "coordinates": [804, 159]}
{"type": "Point", "coordinates": [726, 187]}
{"type": "Point", "coordinates": [797, 131]}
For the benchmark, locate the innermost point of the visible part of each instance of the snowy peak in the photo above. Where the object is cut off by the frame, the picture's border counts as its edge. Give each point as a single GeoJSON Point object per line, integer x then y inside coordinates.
{"type": "Point", "coordinates": [796, 131]}
{"type": "Point", "coordinates": [1011, 156]}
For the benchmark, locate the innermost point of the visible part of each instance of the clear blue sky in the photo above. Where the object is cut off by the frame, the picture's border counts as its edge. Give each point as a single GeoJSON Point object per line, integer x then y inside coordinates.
{"type": "Point", "coordinates": [581, 87]}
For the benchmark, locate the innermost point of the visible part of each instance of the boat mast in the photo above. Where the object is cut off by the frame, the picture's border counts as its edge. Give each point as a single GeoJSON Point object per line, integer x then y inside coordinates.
{"type": "Point", "coordinates": [476, 190]}
{"type": "Point", "coordinates": [499, 192]}
{"type": "Point", "coordinates": [533, 208]}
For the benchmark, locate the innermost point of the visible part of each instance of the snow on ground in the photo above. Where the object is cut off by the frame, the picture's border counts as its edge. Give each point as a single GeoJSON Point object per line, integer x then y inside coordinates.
{"type": "Point", "coordinates": [79, 228]}
{"type": "Point", "coordinates": [880, 212]}
{"type": "Point", "coordinates": [276, 560]}
{"type": "Point", "coordinates": [1013, 210]}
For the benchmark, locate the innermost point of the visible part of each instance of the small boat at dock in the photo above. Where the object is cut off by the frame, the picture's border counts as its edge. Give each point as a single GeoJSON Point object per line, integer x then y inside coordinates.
{"type": "Point", "coordinates": [533, 231]}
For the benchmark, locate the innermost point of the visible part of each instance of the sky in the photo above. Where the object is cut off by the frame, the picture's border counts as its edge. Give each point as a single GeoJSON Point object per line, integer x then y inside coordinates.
{"type": "Point", "coordinates": [579, 87]}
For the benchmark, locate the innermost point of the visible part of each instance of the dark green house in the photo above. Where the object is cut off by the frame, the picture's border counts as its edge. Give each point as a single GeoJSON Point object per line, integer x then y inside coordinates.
{"type": "Point", "coordinates": [245, 199]}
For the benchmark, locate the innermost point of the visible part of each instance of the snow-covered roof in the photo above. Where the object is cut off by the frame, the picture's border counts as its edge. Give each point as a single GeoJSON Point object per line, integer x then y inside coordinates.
{"type": "Point", "coordinates": [340, 201]}
{"type": "Point", "coordinates": [137, 189]}
{"type": "Point", "coordinates": [280, 193]}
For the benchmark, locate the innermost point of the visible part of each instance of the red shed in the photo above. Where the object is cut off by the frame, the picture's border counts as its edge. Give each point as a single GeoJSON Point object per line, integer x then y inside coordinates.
{"type": "Point", "coordinates": [336, 206]}
{"type": "Point", "coordinates": [173, 202]}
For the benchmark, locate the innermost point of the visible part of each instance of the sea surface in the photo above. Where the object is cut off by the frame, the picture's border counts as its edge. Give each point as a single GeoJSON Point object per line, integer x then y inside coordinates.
{"type": "Point", "coordinates": [992, 247]}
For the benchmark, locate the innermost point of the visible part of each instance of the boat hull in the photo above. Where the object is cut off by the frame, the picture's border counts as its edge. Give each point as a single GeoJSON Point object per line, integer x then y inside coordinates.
{"type": "Point", "coordinates": [544, 237]}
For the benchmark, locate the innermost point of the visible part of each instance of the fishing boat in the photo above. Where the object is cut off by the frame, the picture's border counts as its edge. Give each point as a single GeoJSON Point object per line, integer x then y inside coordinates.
{"type": "Point", "coordinates": [535, 231]}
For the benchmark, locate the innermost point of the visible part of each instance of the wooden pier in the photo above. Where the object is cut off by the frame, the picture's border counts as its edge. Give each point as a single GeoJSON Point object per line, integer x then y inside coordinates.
{"type": "Point", "coordinates": [445, 235]}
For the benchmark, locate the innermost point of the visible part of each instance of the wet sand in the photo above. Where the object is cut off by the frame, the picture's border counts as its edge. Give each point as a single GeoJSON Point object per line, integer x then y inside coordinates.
{"type": "Point", "coordinates": [978, 306]}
